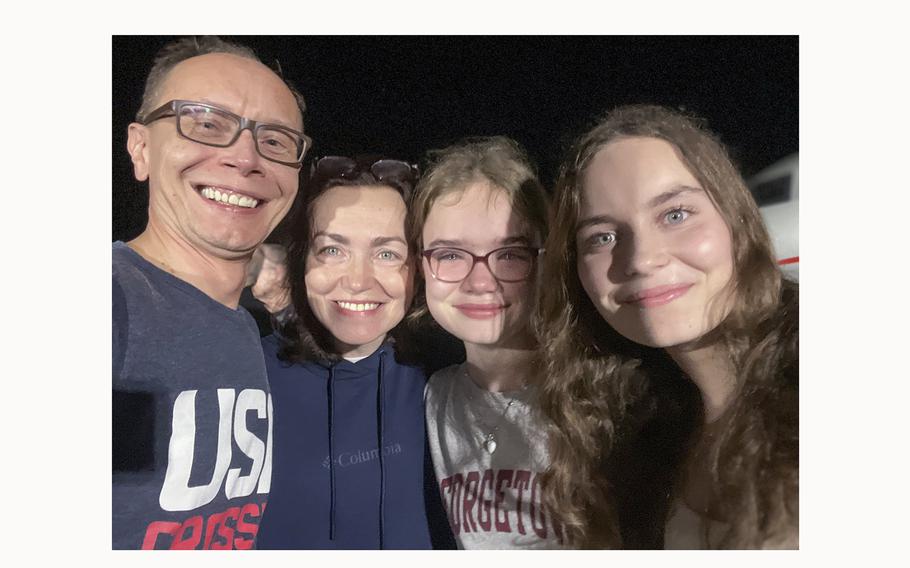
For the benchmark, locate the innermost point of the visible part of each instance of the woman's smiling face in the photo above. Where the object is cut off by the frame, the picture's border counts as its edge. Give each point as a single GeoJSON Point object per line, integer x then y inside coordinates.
{"type": "Point", "coordinates": [359, 278]}
{"type": "Point", "coordinates": [654, 254]}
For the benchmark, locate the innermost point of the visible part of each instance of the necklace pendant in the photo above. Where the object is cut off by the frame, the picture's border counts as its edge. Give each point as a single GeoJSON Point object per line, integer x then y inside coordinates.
{"type": "Point", "coordinates": [489, 444]}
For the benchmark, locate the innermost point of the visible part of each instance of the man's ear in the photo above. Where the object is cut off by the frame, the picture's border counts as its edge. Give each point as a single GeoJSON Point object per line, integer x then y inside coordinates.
{"type": "Point", "coordinates": [137, 145]}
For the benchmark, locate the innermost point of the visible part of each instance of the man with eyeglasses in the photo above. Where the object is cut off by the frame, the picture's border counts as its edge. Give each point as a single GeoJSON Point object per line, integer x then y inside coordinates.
{"type": "Point", "coordinates": [219, 137]}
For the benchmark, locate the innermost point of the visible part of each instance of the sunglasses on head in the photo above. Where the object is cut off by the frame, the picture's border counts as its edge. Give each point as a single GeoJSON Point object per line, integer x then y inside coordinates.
{"type": "Point", "coordinates": [383, 170]}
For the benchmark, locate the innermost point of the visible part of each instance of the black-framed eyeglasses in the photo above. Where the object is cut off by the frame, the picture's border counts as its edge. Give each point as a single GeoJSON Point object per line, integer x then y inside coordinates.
{"type": "Point", "coordinates": [383, 170]}
{"type": "Point", "coordinates": [507, 264]}
{"type": "Point", "coordinates": [214, 126]}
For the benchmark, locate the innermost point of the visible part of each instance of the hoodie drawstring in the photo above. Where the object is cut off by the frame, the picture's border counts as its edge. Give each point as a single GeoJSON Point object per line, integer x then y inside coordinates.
{"type": "Point", "coordinates": [380, 405]}
{"type": "Point", "coordinates": [332, 452]}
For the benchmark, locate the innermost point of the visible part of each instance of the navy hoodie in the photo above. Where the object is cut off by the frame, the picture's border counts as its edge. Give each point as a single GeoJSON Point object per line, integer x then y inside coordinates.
{"type": "Point", "coordinates": [374, 491]}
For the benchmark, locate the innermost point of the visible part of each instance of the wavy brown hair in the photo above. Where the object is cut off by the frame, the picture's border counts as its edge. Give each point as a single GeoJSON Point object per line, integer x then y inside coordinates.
{"type": "Point", "coordinates": [623, 417]}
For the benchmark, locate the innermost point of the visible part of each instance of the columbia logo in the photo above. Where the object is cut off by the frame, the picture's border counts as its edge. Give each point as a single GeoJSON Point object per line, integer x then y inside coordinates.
{"type": "Point", "coordinates": [356, 457]}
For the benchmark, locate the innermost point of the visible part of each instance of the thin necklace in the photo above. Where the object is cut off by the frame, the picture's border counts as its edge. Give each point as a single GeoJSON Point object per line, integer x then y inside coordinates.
{"type": "Point", "coordinates": [488, 439]}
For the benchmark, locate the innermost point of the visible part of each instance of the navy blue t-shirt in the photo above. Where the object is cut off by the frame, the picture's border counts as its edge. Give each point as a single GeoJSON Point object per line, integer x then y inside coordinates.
{"type": "Point", "coordinates": [191, 414]}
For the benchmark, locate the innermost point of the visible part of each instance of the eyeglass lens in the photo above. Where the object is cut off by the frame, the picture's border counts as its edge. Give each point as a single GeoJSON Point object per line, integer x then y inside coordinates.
{"type": "Point", "coordinates": [213, 127]}
{"type": "Point", "coordinates": [509, 264]}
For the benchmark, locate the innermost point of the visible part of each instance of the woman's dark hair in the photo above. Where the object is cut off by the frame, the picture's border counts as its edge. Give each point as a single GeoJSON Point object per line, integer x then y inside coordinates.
{"type": "Point", "coordinates": [303, 337]}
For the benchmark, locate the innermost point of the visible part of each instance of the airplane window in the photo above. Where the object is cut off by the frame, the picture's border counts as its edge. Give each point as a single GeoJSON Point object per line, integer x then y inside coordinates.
{"type": "Point", "coordinates": [776, 190]}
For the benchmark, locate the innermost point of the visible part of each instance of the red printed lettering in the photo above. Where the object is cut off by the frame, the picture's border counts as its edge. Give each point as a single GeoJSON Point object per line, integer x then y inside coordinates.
{"type": "Point", "coordinates": [483, 514]}
{"type": "Point", "coordinates": [522, 481]}
{"type": "Point", "coordinates": [244, 527]}
{"type": "Point", "coordinates": [538, 521]}
{"type": "Point", "coordinates": [483, 502]}
{"type": "Point", "coordinates": [219, 522]}
{"type": "Point", "coordinates": [156, 528]}
{"type": "Point", "coordinates": [471, 485]}
{"type": "Point", "coordinates": [504, 477]}
{"type": "Point", "coordinates": [455, 502]}
{"type": "Point", "coordinates": [190, 534]}
{"type": "Point", "coordinates": [232, 528]}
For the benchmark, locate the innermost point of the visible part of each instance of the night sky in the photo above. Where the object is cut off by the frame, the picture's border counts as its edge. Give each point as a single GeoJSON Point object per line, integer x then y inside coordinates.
{"type": "Point", "coordinates": [400, 96]}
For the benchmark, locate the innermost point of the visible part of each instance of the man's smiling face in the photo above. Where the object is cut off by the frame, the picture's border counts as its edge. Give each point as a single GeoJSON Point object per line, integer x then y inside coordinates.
{"type": "Point", "coordinates": [190, 182]}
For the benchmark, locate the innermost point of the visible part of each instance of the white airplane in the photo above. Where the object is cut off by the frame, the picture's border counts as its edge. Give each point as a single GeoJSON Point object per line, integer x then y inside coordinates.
{"type": "Point", "coordinates": [776, 190]}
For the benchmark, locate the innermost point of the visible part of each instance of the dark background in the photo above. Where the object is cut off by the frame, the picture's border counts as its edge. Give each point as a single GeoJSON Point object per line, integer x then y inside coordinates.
{"type": "Point", "coordinates": [402, 95]}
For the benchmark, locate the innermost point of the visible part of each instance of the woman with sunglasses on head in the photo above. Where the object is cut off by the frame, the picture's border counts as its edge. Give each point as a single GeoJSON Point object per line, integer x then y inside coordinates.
{"type": "Point", "coordinates": [349, 468]}
{"type": "Point", "coordinates": [671, 346]}
{"type": "Point", "coordinates": [479, 217]}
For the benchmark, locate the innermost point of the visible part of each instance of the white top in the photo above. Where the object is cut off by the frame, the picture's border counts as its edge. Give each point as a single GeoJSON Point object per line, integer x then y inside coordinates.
{"type": "Point", "coordinates": [493, 499]}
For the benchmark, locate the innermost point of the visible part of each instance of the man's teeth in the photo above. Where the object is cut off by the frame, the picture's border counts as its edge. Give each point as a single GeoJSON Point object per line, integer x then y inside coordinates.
{"type": "Point", "coordinates": [358, 307]}
{"type": "Point", "coordinates": [229, 198]}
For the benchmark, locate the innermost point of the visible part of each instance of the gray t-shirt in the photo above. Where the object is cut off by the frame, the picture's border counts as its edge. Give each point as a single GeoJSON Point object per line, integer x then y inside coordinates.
{"type": "Point", "coordinates": [493, 500]}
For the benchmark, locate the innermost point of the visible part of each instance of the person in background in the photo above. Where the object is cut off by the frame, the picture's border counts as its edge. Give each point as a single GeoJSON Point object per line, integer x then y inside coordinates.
{"type": "Point", "coordinates": [350, 469]}
{"type": "Point", "coordinates": [671, 339]}
{"type": "Point", "coordinates": [479, 218]}
{"type": "Point", "coordinates": [267, 291]}
{"type": "Point", "coordinates": [220, 139]}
